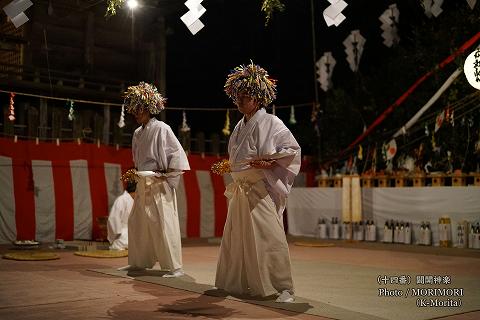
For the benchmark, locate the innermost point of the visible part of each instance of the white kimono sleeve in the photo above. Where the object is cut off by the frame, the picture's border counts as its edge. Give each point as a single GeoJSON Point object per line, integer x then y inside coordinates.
{"type": "Point", "coordinates": [287, 166]}
{"type": "Point", "coordinates": [175, 155]}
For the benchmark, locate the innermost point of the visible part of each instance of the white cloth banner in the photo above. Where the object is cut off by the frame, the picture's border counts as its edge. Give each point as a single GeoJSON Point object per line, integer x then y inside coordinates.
{"type": "Point", "coordinates": [306, 206]}
{"type": "Point", "coordinates": [82, 204]}
{"type": "Point", "coordinates": [44, 200]}
{"type": "Point", "coordinates": [8, 228]}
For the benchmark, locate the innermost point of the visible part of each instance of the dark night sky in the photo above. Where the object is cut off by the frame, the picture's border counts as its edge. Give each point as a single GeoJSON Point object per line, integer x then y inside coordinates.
{"type": "Point", "coordinates": [235, 32]}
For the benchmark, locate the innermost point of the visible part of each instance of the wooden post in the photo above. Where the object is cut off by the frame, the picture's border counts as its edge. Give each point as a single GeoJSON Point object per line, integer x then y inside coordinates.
{"type": "Point", "coordinates": [459, 180]}
{"type": "Point", "coordinates": [106, 125]}
{"type": "Point", "coordinates": [57, 116]}
{"type": "Point", "coordinates": [200, 142]}
{"type": "Point", "coordinates": [337, 182]}
{"type": "Point", "coordinates": [367, 181]}
{"type": "Point", "coordinates": [77, 127]}
{"type": "Point", "coordinates": [89, 41]}
{"type": "Point", "coordinates": [43, 121]}
{"type": "Point", "coordinates": [476, 179]}
{"type": "Point", "coordinates": [32, 122]}
{"type": "Point", "coordinates": [400, 180]}
{"type": "Point", "coordinates": [185, 139]}
{"type": "Point", "coordinates": [98, 126]}
{"type": "Point", "coordinates": [419, 180]}
{"type": "Point", "coordinates": [324, 182]}
{"type": "Point", "coordinates": [438, 180]}
{"type": "Point", "coordinates": [215, 144]}
{"type": "Point", "coordinates": [383, 181]}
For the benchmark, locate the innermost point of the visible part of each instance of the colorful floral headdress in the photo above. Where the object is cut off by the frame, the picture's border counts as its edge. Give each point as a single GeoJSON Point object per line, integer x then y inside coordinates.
{"type": "Point", "coordinates": [144, 96]}
{"type": "Point", "coordinates": [252, 80]}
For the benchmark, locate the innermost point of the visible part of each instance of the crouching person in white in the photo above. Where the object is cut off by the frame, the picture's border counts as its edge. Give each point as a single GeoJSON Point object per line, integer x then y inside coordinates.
{"type": "Point", "coordinates": [264, 158]}
{"type": "Point", "coordinates": [153, 226]}
{"type": "Point", "coordinates": [117, 225]}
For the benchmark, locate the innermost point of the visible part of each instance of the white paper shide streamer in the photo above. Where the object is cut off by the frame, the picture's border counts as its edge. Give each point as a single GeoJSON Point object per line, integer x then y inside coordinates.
{"type": "Point", "coordinates": [192, 18]}
{"type": "Point", "coordinates": [432, 7]}
{"type": "Point", "coordinates": [333, 13]}
{"type": "Point", "coordinates": [292, 115]}
{"type": "Point", "coordinates": [71, 111]}
{"type": "Point", "coordinates": [389, 19]}
{"type": "Point", "coordinates": [185, 127]}
{"type": "Point", "coordinates": [325, 67]}
{"type": "Point", "coordinates": [354, 44]}
{"type": "Point", "coordinates": [121, 122]}
{"type": "Point", "coordinates": [15, 11]}
{"type": "Point", "coordinates": [472, 3]}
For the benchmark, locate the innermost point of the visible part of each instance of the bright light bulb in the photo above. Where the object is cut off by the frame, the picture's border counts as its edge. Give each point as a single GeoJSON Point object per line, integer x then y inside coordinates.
{"type": "Point", "coordinates": [132, 4]}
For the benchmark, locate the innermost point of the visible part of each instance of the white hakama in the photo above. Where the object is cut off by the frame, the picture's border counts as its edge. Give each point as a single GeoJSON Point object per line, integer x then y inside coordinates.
{"type": "Point", "coordinates": [117, 225]}
{"type": "Point", "coordinates": [254, 257]}
{"type": "Point", "coordinates": [153, 227]}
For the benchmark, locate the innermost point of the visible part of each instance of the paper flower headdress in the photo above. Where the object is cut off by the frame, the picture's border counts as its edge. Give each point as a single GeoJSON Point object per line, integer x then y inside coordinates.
{"type": "Point", "coordinates": [144, 96]}
{"type": "Point", "coordinates": [252, 80]}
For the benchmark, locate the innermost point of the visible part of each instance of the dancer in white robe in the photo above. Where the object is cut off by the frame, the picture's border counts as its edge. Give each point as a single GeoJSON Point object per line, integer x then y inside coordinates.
{"type": "Point", "coordinates": [117, 225]}
{"type": "Point", "coordinates": [153, 226]}
{"type": "Point", "coordinates": [265, 158]}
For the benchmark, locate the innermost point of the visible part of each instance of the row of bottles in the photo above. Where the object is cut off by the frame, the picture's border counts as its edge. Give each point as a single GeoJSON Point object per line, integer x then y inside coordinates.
{"type": "Point", "coordinates": [474, 236]}
{"type": "Point", "coordinates": [425, 234]}
{"type": "Point", "coordinates": [397, 232]}
{"type": "Point", "coordinates": [468, 234]}
{"type": "Point", "coordinates": [445, 232]}
{"type": "Point", "coordinates": [361, 231]}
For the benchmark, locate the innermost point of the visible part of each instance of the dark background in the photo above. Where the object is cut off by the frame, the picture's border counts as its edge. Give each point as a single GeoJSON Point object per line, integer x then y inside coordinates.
{"type": "Point", "coordinates": [234, 34]}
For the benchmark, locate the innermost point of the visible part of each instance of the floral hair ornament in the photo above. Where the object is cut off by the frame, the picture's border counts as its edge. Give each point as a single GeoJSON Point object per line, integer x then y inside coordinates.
{"type": "Point", "coordinates": [252, 80]}
{"type": "Point", "coordinates": [144, 96]}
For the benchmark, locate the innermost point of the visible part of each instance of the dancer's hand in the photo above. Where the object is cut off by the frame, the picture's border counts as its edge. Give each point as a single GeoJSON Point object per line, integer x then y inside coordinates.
{"type": "Point", "coordinates": [262, 164]}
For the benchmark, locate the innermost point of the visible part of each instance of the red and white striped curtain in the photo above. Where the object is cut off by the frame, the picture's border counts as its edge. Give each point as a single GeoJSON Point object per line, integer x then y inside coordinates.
{"type": "Point", "coordinates": [53, 192]}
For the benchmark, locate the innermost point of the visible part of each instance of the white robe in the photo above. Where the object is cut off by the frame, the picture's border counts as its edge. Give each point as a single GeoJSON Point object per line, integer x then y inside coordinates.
{"type": "Point", "coordinates": [153, 227]}
{"type": "Point", "coordinates": [117, 225]}
{"type": "Point", "coordinates": [254, 257]}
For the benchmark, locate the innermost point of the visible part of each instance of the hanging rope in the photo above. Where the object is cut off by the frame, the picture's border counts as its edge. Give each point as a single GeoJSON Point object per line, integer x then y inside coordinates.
{"type": "Point", "coordinates": [309, 104]}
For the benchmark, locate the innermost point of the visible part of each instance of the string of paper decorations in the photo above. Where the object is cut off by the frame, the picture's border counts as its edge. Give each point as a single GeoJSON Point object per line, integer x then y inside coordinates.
{"type": "Point", "coordinates": [70, 104]}
{"type": "Point", "coordinates": [354, 43]}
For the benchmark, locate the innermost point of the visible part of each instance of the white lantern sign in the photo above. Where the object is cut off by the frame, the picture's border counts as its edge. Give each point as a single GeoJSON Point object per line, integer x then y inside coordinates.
{"type": "Point", "coordinates": [471, 68]}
